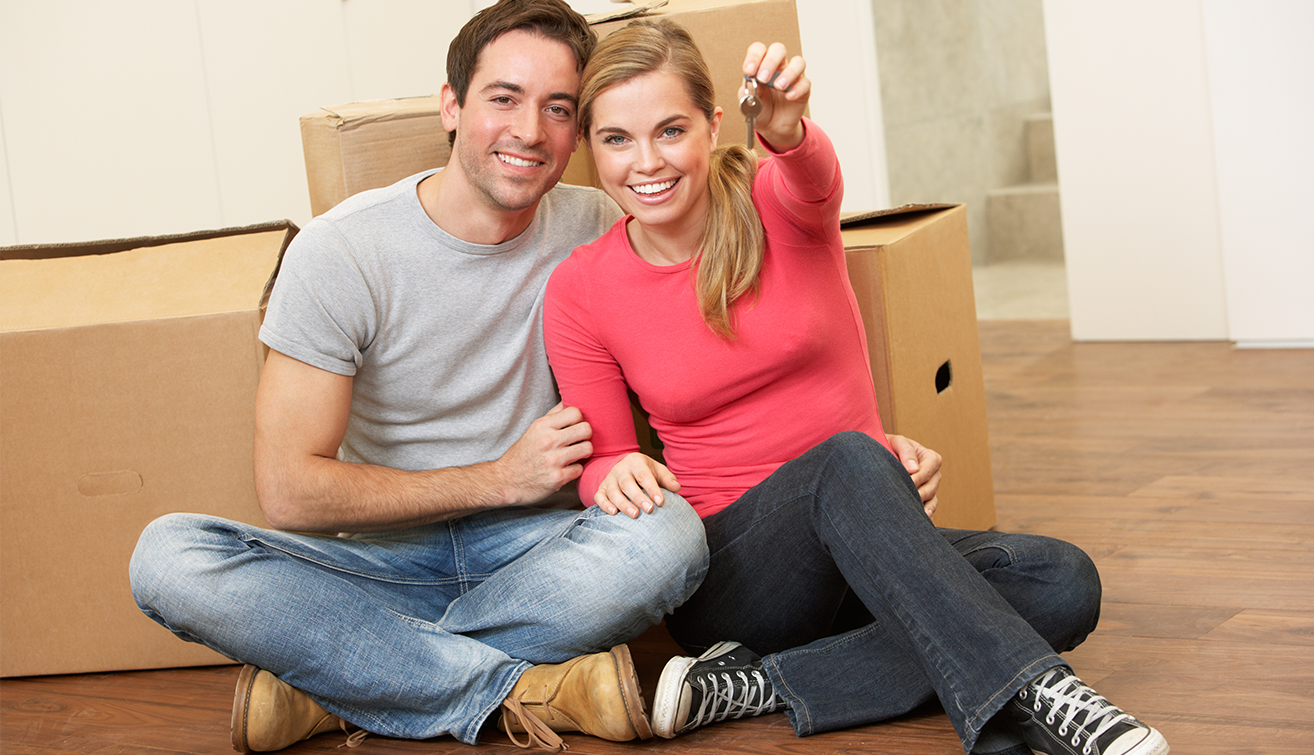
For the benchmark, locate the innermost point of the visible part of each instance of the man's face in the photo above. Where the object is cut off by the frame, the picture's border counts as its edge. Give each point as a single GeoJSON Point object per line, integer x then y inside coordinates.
{"type": "Point", "coordinates": [516, 131]}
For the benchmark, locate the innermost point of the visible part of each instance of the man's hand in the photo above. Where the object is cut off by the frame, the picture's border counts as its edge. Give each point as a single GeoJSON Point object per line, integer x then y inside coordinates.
{"type": "Point", "coordinates": [924, 466]}
{"type": "Point", "coordinates": [546, 457]}
{"type": "Point", "coordinates": [635, 482]}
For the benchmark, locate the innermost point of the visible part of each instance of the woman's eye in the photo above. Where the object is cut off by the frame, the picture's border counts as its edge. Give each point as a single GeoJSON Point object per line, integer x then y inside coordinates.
{"type": "Point", "coordinates": [672, 132]}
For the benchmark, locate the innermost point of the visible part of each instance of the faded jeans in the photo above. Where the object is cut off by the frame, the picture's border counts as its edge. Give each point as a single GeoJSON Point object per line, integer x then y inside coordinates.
{"type": "Point", "coordinates": [424, 631]}
{"type": "Point", "coordinates": [968, 617]}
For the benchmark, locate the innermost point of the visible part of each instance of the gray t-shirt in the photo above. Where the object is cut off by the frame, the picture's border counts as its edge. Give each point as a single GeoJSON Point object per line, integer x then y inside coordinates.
{"type": "Point", "coordinates": [443, 338]}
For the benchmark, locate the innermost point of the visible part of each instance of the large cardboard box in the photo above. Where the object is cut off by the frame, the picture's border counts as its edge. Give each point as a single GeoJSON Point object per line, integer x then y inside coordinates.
{"type": "Point", "coordinates": [366, 145]}
{"type": "Point", "coordinates": [128, 372]}
{"type": "Point", "coordinates": [911, 269]}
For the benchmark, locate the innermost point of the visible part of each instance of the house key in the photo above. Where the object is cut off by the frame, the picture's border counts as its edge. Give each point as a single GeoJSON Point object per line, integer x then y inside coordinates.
{"type": "Point", "coordinates": [750, 105]}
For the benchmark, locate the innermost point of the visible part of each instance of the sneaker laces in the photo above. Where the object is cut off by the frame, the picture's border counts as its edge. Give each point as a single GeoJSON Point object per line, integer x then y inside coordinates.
{"type": "Point", "coordinates": [1068, 696]}
{"type": "Point", "coordinates": [538, 733]}
{"type": "Point", "coordinates": [723, 699]}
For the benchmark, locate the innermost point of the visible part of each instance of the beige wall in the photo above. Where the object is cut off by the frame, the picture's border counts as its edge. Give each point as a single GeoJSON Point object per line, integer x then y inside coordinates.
{"type": "Point", "coordinates": [957, 79]}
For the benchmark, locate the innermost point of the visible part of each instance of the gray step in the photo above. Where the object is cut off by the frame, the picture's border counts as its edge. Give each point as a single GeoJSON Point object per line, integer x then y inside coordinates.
{"type": "Point", "coordinates": [1039, 135]}
{"type": "Point", "coordinates": [1024, 223]}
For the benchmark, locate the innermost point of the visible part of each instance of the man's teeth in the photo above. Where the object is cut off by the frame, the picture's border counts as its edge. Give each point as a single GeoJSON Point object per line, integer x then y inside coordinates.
{"type": "Point", "coordinates": [654, 188]}
{"type": "Point", "coordinates": [509, 160]}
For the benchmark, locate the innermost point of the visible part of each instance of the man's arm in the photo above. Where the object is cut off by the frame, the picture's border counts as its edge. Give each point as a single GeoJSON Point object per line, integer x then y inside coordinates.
{"type": "Point", "coordinates": [301, 418]}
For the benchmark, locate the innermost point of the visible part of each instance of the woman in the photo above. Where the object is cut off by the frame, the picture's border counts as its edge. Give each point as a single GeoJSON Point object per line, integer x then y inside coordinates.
{"type": "Point", "coordinates": [722, 301]}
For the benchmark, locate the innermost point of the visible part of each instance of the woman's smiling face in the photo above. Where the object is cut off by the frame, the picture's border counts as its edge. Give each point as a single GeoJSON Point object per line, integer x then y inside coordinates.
{"type": "Point", "coordinates": [652, 147]}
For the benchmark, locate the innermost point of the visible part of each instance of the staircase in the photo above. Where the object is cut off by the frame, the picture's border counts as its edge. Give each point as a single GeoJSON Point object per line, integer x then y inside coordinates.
{"type": "Point", "coordinates": [1023, 220]}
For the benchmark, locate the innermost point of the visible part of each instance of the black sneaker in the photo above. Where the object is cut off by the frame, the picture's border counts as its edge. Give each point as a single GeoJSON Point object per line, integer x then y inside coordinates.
{"type": "Point", "coordinates": [725, 682]}
{"type": "Point", "coordinates": [1060, 715]}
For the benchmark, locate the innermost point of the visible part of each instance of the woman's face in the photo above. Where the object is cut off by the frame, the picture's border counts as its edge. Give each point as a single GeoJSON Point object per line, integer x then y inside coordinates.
{"type": "Point", "coordinates": [652, 147]}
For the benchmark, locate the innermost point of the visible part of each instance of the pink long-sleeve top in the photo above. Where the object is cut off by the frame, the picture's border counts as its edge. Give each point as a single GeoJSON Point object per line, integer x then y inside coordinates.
{"type": "Point", "coordinates": [729, 412]}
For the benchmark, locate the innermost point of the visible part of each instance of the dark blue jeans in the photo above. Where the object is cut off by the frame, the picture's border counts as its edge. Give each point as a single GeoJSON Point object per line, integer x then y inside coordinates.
{"type": "Point", "coordinates": [968, 617]}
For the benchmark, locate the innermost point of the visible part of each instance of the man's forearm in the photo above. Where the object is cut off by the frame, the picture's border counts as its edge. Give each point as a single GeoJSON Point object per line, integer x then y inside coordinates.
{"type": "Point", "coordinates": [327, 495]}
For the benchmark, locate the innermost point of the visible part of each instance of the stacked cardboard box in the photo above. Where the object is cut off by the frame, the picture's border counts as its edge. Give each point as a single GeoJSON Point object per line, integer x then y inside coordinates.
{"type": "Point", "coordinates": [129, 371]}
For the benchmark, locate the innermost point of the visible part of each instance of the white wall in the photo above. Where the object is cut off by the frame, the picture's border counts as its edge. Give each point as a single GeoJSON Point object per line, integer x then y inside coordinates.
{"type": "Point", "coordinates": [143, 117]}
{"type": "Point", "coordinates": [1159, 167]}
{"type": "Point", "coordinates": [1261, 75]}
{"type": "Point", "coordinates": [839, 42]}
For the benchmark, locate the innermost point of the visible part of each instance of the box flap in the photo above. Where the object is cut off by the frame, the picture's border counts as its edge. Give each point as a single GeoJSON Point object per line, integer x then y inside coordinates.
{"type": "Point", "coordinates": [353, 115]}
{"type": "Point", "coordinates": [873, 217]}
{"type": "Point", "coordinates": [83, 284]}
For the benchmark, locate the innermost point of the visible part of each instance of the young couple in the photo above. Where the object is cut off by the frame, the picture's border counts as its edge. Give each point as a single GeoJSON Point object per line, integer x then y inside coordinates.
{"type": "Point", "coordinates": [407, 397]}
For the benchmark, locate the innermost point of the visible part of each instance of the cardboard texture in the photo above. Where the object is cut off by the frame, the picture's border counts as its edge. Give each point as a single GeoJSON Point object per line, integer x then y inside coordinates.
{"type": "Point", "coordinates": [127, 387]}
{"type": "Point", "coordinates": [366, 145]}
{"type": "Point", "coordinates": [912, 273]}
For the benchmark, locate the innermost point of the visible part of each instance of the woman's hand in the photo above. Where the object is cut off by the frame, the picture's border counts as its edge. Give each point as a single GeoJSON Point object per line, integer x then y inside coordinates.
{"type": "Point", "coordinates": [634, 483]}
{"type": "Point", "coordinates": [784, 92]}
{"type": "Point", "coordinates": [923, 466]}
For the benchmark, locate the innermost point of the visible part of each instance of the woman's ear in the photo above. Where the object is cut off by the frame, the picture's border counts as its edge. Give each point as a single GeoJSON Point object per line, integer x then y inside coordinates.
{"type": "Point", "coordinates": [716, 125]}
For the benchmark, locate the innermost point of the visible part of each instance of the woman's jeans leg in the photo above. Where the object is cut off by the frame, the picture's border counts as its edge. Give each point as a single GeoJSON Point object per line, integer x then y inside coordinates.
{"type": "Point", "coordinates": [420, 632]}
{"type": "Point", "coordinates": [846, 516]}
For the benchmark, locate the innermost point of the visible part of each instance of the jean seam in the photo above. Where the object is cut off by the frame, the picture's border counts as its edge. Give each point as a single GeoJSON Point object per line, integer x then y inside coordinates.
{"type": "Point", "coordinates": [339, 569]}
{"type": "Point", "coordinates": [990, 707]}
{"type": "Point", "coordinates": [797, 705]}
{"type": "Point", "coordinates": [939, 657]}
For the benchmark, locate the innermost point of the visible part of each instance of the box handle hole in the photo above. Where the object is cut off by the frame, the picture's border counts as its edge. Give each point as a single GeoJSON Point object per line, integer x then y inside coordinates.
{"type": "Point", "coordinates": [944, 377]}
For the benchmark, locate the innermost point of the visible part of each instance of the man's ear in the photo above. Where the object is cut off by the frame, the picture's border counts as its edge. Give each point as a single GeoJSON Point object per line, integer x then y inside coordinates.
{"type": "Point", "coordinates": [451, 111]}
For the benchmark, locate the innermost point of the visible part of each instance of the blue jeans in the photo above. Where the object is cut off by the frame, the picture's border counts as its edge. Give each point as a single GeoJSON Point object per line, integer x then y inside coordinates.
{"type": "Point", "coordinates": [424, 631]}
{"type": "Point", "coordinates": [968, 617]}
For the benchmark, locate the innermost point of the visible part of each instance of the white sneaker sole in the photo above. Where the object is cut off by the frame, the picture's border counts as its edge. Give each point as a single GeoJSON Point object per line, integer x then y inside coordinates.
{"type": "Point", "coordinates": [666, 700]}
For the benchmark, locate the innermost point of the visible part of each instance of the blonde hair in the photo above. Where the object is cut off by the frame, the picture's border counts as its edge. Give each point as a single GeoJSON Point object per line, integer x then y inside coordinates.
{"type": "Point", "coordinates": [729, 259]}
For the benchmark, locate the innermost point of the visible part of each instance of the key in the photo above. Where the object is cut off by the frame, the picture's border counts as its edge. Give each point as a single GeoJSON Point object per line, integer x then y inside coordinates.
{"type": "Point", "coordinates": [750, 106]}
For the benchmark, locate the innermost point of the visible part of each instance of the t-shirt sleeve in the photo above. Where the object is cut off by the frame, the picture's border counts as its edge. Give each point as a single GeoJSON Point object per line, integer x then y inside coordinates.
{"type": "Point", "coordinates": [587, 375]}
{"type": "Point", "coordinates": [320, 311]}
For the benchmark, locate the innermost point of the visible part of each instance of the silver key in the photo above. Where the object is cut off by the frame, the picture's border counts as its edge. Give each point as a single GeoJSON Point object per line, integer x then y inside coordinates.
{"type": "Point", "coordinates": [750, 105]}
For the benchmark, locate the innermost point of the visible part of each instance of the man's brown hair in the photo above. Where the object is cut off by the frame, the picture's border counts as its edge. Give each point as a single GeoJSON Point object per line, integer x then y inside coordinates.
{"type": "Point", "coordinates": [553, 19]}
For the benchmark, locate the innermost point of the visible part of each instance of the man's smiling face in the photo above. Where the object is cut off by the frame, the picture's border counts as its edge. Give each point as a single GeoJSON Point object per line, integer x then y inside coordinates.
{"type": "Point", "coordinates": [516, 131]}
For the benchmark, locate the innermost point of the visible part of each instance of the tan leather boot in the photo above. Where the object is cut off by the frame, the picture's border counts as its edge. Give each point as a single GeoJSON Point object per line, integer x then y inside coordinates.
{"type": "Point", "coordinates": [594, 694]}
{"type": "Point", "coordinates": [269, 714]}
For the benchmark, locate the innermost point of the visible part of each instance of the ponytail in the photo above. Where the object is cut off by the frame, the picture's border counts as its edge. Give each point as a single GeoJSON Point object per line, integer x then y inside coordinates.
{"type": "Point", "coordinates": [733, 240]}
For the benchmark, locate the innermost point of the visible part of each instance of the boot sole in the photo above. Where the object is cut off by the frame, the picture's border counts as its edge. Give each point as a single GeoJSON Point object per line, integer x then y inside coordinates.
{"type": "Point", "coordinates": [245, 680]}
{"type": "Point", "coordinates": [666, 700]}
{"type": "Point", "coordinates": [629, 687]}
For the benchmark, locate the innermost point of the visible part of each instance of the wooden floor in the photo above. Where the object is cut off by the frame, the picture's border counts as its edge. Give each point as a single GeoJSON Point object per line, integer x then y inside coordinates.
{"type": "Point", "coordinates": [1185, 470]}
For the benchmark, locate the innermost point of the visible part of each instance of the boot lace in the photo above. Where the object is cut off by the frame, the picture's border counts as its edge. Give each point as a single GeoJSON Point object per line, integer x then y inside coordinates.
{"type": "Point", "coordinates": [1067, 696]}
{"type": "Point", "coordinates": [731, 695]}
{"type": "Point", "coordinates": [538, 733]}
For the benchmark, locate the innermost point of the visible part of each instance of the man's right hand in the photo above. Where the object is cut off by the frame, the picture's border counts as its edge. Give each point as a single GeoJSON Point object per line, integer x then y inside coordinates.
{"type": "Point", "coordinates": [546, 457]}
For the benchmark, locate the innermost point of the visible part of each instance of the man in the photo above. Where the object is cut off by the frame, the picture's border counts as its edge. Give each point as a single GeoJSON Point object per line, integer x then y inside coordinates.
{"type": "Point", "coordinates": [407, 396]}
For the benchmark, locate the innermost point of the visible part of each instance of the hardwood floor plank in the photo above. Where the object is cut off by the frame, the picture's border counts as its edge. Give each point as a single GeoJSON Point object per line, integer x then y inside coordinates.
{"type": "Point", "coordinates": [1268, 628]}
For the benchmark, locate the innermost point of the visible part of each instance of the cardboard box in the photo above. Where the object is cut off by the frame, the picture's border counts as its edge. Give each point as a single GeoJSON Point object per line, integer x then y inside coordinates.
{"type": "Point", "coordinates": [911, 269]}
{"type": "Point", "coordinates": [366, 145]}
{"type": "Point", "coordinates": [128, 372]}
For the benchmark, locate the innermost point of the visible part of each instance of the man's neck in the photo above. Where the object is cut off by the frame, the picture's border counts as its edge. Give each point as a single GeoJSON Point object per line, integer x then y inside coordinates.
{"type": "Point", "coordinates": [454, 208]}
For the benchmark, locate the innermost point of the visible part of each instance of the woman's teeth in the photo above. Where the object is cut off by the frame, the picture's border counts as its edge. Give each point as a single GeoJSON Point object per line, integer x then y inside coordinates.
{"type": "Point", "coordinates": [653, 188]}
